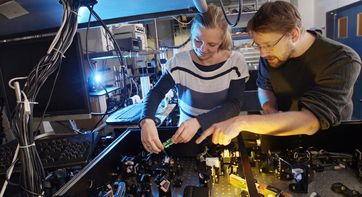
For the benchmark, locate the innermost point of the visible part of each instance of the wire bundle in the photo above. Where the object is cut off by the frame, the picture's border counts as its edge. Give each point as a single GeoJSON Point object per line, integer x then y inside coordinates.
{"type": "Point", "coordinates": [21, 123]}
{"type": "Point", "coordinates": [119, 57]}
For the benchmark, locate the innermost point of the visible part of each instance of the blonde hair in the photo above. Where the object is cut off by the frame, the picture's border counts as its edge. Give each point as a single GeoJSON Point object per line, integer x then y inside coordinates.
{"type": "Point", "coordinates": [214, 18]}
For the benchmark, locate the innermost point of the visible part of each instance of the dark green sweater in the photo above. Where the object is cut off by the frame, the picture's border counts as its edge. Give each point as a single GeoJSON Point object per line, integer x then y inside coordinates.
{"type": "Point", "coordinates": [320, 80]}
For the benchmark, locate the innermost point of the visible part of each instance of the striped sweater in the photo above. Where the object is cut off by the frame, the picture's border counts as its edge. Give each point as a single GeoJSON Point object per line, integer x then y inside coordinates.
{"type": "Point", "coordinates": [209, 93]}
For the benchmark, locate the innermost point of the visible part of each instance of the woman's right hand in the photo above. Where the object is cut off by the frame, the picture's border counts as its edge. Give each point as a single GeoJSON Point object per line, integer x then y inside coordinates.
{"type": "Point", "coordinates": [149, 136]}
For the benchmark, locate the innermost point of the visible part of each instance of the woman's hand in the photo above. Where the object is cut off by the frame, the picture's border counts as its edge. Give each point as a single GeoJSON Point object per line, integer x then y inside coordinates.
{"type": "Point", "coordinates": [149, 136]}
{"type": "Point", "coordinates": [186, 131]}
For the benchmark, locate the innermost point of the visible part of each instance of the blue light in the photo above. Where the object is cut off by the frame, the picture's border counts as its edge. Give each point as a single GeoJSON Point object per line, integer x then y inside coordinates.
{"type": "Point", "coordinates": [83, 14]}
{"type": "Point", "coordinates": [98, 78]}
{"type": "Point", "coordinates": [114, 9]}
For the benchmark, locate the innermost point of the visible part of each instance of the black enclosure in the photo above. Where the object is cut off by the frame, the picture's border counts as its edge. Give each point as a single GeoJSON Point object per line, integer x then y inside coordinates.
{"type": "Point", "coordinates": [100, 169]}
{"type": "Point", "coordinates": [70, 96]}
{"type": "Point", "coordinates": [344, 138]}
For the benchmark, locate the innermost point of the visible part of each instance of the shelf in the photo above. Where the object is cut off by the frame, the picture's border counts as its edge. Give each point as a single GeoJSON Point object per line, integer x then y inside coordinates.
{"type": "Point", "coordinates": [103, 92]}
{"type": "Point", "coordinates": [240, 36]}
{"type": "Point", "coordinates": [126, 54]}
{"type": "Point", "coordinates": [242, 13]}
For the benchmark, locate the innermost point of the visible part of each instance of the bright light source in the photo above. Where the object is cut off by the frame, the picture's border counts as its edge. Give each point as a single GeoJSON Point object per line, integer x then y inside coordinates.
{"type": "Point", "coordinates": [98, 78]}
{"type": "Point", "coordinates": [83, 14]}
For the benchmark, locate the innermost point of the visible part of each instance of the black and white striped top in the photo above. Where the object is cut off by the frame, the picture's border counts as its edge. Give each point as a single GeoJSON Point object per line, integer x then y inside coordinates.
{"type": "Point", "coordinates": [200, 91]}
{"type": "Point", "coordinates": [209, 93]}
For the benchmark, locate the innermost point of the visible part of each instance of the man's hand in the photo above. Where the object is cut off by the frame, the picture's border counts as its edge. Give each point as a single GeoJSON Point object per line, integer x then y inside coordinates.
{"type": "Point", "coordinates": [186, 131]}
{"type": "Point", "coordinates": [149, 136]}
{"type": "Point", "coordinates": [222, 132]}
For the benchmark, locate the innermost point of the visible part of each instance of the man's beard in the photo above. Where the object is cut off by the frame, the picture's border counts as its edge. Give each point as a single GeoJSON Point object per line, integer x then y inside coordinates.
{"type": "Point", "coordinates": [275, 62]}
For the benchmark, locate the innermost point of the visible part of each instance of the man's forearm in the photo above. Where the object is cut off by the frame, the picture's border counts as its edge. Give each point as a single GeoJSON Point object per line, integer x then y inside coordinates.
{"type": "Point", "coordinates": [280, 124]}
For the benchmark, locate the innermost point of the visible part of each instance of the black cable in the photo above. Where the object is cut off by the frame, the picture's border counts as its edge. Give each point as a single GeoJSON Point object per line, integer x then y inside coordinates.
{"type": "Point", "coordinates": [117, 48]}
{"type": "Point", "coordinates": [2, 132]}
{"type": "Point", "coordinates": [226, 17]}
{"type": "Point", "coordinates": [50, 96]}
{"type": "Point", "coordinates": [32, 171]}
{"type": "Point", "coordinates": [119, 55]}
{"type": "Point", "coordinates": [244, 164]}
{"type": "Point", "coordinates": [104, 115]}
{"type": "Point", "coordinates": [99, 121]}
{"type": "Point", "coordinates": [86, 42]}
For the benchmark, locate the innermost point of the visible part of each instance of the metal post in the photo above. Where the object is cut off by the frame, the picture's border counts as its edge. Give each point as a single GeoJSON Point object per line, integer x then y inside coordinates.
{"type": "Point", "coordinates": [156, 34]}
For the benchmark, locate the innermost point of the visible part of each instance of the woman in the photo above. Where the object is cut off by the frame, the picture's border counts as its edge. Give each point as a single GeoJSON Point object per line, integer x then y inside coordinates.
{"type": "Point", "coordinates": [209, 79]}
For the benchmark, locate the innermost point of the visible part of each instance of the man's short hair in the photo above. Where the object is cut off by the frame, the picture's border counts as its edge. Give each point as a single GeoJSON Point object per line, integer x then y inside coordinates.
{"type": "Point", "coordinates": [278, 16]}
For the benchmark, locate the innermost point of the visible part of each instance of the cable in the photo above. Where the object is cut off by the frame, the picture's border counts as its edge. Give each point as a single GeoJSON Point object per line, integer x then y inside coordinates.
{"type": "Point", "coordinates": [118, 50]}
{"type": "Point", "coordinates": [135, 85]}
{"type": "Point", "coordinates": [104, 115]}
{"type": "Point", "coordinates": [119, 55]}
{"type": "Point", "coordinates": [182, 23]}
{"type": "Point", "coordinates": [32, 171]}
{"type": "Point", "coordinates": [115, 44]}
{"type": "Point", "coordinates": [226, 17]}
{"type": "Point", "coordinates": [2, 133]}
{"type": "Point", "coordinates": [86, 42]}
{"type": "Point", "coordinates": [50, 96]}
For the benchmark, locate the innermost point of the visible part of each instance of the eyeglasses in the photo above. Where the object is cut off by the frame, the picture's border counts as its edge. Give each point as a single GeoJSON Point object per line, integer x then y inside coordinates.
{"type": "Point", "coordinates": [268, 47]}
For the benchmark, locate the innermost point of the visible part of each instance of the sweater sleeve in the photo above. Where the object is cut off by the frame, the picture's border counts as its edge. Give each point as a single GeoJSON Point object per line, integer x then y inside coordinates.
{"type": "Point", "coordinates": [331, 93]}
{"type": "Point", "coordinates": [228, 109]}
{"type": "Point", "coordinates": [156, 94]}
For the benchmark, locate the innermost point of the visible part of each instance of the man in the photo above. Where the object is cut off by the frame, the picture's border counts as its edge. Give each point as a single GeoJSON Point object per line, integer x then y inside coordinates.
{"type": "Point", "coordinates": [305, 81]}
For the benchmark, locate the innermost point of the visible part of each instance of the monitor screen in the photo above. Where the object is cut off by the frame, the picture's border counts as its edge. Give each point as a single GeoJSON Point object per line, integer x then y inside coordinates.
{"type": "Point", "coordinates": [70, 96]}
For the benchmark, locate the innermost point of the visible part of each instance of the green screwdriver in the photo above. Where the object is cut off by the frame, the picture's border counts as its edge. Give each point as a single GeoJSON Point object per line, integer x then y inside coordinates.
{"type": "Point", "coordinates": [168, 143]}
{"type": "Point", "coordinates": [165, 144]}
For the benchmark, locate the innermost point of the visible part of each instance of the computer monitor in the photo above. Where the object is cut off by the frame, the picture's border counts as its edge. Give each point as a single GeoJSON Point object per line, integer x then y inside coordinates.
{"type": "Point", "coordinates": [70, 98]}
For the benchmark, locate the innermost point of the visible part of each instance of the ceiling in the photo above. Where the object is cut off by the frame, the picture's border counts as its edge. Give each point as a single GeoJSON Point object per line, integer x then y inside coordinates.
{"type": "Point", "coordinates": [44, 15]}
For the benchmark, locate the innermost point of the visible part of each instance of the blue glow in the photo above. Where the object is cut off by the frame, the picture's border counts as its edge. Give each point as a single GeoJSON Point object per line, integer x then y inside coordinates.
{"type": "Point", "coordinates": [83, 14]}
{"type": "Point", "coordinates": [98, 78]}
{"type": "Point", "coordinates": [110, 9]}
